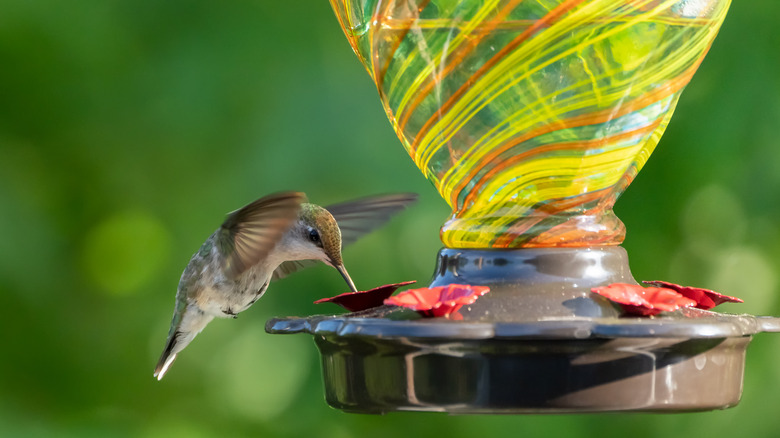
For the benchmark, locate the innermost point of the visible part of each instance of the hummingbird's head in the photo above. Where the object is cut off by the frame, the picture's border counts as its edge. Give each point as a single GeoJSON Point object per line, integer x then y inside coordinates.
{"type": "Point", "coordinates": [322, 232]}
{"type": "Point", "coordinates": [323, 236]}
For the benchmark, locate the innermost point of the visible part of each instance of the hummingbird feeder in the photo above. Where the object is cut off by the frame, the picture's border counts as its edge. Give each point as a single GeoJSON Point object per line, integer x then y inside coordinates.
{"type": "Point", "coordinates": [530, 119]}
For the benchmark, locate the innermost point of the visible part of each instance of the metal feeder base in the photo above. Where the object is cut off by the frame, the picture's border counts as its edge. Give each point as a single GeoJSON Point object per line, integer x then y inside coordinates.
{"type": "Point", "coordinates": [539, 342]}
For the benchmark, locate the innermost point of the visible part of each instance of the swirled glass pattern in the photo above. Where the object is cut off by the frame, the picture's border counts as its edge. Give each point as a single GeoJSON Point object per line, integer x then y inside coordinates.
{"type": "Point", "coordinates": [530, 117]}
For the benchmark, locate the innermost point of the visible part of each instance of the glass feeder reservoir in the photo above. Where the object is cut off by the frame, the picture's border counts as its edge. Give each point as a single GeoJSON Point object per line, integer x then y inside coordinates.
{"type": "Point", "coordinates": [530, 119]}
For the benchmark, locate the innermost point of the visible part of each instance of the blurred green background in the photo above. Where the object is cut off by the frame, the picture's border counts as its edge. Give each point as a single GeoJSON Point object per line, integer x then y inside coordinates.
{"type": "Point", "coordinates": [129, 128]}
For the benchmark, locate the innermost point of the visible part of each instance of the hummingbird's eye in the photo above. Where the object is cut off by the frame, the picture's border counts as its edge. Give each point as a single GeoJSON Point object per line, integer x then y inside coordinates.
{"type": "Point", "coordinates": [314, 236]}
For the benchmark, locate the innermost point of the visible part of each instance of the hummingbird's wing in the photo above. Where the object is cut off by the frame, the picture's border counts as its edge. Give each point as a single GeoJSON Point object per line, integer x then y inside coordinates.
{"type": "Point", "coordinates": [291, 266]}
{"type": "Point", "coordinates": [355, 218]}
{"type": "Point", "coordinates": [249, 234]}
{"type": "Point", "coordinates": [361, 216]}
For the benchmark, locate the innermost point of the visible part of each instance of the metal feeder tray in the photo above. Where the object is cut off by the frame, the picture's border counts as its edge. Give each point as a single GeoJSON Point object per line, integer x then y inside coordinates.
{"type": "Point", "coordinates": [539, 342]}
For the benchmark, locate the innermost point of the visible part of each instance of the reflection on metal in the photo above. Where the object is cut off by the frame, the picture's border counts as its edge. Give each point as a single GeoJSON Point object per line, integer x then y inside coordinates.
{"type": "Point", "coordinates": [538, 342]}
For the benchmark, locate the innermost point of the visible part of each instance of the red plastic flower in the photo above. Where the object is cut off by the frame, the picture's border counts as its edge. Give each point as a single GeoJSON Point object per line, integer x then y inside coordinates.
{"type": "Point", "coordinates": [705, 299]}
{"type": "Point", "coordinates": [645, 301]}
{"type": "Point", "coordinates": [438, 301]}
{"type": "Point", "coordinates": [362, 300]}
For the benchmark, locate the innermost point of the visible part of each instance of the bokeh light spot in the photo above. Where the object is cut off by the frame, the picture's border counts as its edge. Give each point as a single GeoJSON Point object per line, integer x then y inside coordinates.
{"type": "Point", "coordinates": [713, 218]}
{"type": "Point", "coordinates": [175, 428]}
{"type": "Point", "coordinates": [124, 252]}
{"type": "Point", "coordinates": [258, 375]}
{"type": "Point", "coordinates": [745, 273]}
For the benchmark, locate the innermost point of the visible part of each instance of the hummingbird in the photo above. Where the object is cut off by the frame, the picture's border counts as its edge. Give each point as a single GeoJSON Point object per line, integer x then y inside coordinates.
{"type": "Point", "coordinates": [266, 240]}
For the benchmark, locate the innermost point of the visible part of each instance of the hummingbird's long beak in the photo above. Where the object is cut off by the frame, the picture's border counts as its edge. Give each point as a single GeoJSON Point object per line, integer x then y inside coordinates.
{"type": "Point", "coordinates": [343, 271]}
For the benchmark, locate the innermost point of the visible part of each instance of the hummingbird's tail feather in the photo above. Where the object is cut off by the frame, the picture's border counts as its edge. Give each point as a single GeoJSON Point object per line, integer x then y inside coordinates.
{"type": "Point", "coordinates": [181, 334]}
{"type": "Point", "coordinates": [166, 359]}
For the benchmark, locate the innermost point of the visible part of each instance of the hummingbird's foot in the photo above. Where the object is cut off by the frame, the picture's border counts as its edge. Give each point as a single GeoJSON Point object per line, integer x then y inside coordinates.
{"type": "Point", "coordinates": [229, 312]}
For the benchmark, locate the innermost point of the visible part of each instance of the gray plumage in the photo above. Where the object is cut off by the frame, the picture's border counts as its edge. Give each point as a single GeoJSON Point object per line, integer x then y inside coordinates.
{"type": "Point", "coordinates": [266, 240]}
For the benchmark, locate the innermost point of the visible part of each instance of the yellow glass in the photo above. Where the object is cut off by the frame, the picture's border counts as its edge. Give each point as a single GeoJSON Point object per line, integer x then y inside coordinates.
{"type": "Point", "coordinates": [530, 117]}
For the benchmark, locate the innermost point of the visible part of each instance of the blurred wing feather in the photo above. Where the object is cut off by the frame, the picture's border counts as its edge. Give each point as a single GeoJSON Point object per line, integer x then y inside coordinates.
{"type": "Point", "coordinates": [359, 217]}
{"type": "Point", "coordinates": [289, 267]}
{"type": "Point", "coordinates": [355, 218]}
{"type": "Point", "coordinates": [249, 234]}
